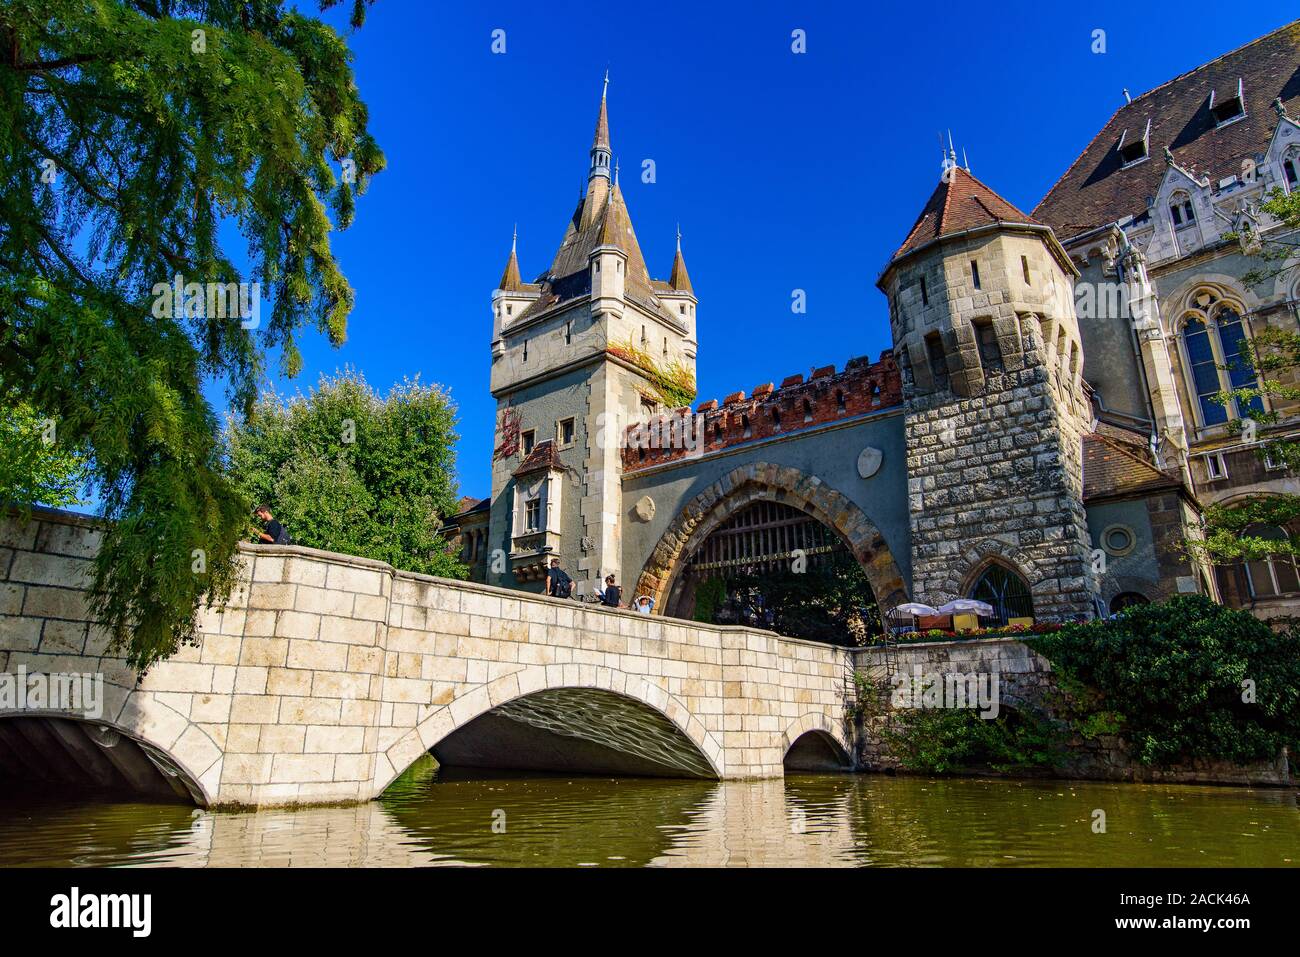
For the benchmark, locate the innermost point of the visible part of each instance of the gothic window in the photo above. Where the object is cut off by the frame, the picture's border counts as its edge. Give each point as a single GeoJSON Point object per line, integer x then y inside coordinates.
{"type": "Point", "coordinates": [1289, 172]}
{"type": "Point", "coordinates": [1181, 211]}
{"type": "Point", "coordinates": [1204, 371]}
{"type": "Point", "coordinates": [1276, 574]}
{"type": "Point", "coordinates": [1215, 352]}
{"type": "Point", "coordinates": [1006, 591]}
{"type": "Point", "coordinates": [532, 515]}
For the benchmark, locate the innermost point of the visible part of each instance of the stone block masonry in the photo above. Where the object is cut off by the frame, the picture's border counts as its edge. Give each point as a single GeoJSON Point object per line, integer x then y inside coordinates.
{"type": "Point", "coordinates": [327, 675]}
{"type": "Point", "coordinates": [998, 478]}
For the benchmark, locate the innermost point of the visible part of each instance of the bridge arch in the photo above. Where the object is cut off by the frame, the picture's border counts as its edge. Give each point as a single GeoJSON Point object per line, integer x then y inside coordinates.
{"type": "Point", "coordinates": [526, 685]}
{"type": "Point", "coordinates": [747, 484]}
{"type": "Point", "coordinates": [815, 742]}
{"type": "Point", "coordinates": [138, 743]}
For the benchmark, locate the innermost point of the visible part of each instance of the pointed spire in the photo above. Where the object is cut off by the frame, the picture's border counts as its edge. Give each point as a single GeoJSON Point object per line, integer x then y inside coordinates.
{"type": "Point", "coordinates": [510, 279]}
{"type": "Point", "coordinates": [601, 140]}
{"type": "Point", "coordinates": [679, 280]}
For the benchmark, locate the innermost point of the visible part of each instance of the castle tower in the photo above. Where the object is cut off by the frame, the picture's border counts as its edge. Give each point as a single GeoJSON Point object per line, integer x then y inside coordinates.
{"type": "Point", "coordinates": [982, 314]}
{"type": "Point", "coordinates": [577, 355]}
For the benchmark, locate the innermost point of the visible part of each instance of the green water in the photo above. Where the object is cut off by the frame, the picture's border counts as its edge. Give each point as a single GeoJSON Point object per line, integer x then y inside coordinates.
{"type": "Point", "coordinates": [809, 820]}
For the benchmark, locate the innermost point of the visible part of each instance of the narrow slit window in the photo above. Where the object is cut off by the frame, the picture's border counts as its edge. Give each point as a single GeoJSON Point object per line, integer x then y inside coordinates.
{"type": "Point", "coordinates": [1024, 268]}
{"type": "Point", "coordinates": [925, 293]}
{"type": "Point", "coordinates": [975, 274]}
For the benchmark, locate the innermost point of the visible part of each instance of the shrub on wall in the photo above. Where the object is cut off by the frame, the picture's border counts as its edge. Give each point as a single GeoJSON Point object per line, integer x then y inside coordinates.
{"type": "Point", "coordinates": [942, 740]}
{"type": "Point", "coordinates": [1182, 679]}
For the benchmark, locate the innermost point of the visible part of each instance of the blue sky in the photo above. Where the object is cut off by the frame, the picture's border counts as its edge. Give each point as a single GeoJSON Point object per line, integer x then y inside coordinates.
{"type": "Point", "coordinates": [785, 171]}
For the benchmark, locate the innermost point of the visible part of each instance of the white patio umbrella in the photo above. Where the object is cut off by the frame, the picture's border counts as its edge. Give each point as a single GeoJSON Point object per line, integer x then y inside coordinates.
{"type": "Point", "coordinates": [960, 605]}
{"type": "Point", "coordinates": [914, 608]}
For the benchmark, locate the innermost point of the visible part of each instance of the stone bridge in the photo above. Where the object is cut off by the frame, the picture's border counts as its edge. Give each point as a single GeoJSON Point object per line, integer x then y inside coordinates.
{"type": "Point", "coordinates": [327, 675]}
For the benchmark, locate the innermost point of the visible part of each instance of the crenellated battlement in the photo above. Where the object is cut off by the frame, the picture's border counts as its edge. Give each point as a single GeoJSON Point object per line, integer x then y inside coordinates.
{"type": "Point", "coordinates": [769, 411]}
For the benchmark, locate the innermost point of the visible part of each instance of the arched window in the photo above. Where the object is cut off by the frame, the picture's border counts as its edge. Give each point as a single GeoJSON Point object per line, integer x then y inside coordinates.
{"type": "Point", "coordinates": [1291, 169]}
{"type": "Point", "coordinates": [1181, 210]}
{"type": "Point", "coordinates": [1214, 345]}
{"type": "Point", "coordinates": [1006, 591]}
{"type": "Point", "coordinates": [1276, 574]}
{"type": "Point", "coordinates": [1127, 599]}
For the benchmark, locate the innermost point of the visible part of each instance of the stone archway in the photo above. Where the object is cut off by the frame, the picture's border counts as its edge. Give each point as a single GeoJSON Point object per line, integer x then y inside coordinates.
{"type": "Point", "coordinates": [776, 483]}
{"type": "Point", "coordinates": [527, 682]}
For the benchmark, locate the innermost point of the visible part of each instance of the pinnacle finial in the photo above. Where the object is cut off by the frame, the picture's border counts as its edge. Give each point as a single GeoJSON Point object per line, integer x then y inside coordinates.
{"type": "Point", "coordinates": [615, 170]}
{"type": "Point", "coordinates": [514, 239]}
{"type": "Point", "coordinates": [605, 89]}
{"type": "Point", "coordinates": [679, 237]}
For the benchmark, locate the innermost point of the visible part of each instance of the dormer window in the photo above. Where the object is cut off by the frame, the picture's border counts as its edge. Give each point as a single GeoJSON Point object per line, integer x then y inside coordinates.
{"type": "Point", "coordinates": [1181, 211]}
{"type": "Point", "coordinates": [1232, 107]}
{"type": "Point", "coordinates": [1135, 150]}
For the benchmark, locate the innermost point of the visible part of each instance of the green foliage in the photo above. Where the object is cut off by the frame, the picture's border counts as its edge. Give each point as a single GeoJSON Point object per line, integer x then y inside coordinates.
{"type": "Point", "coordinates": [830, 601]}
{"type": "Point", "coordinates": [127, 141]}
{"type": "Point", "coordinates": [709, 597]}
{"type": "Point", "coordinates": [348, 471]}
{"type": "Point", "coordinates": [944, 740]}
{"type": "Point", "coordinates": [672, 385]}
{"type": "Point", "coordinates": [1170, 678]}
{"type": "Point", "coordinates": [35, 467]}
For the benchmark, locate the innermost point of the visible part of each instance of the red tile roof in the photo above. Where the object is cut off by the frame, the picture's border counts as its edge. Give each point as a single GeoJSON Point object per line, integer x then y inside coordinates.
{"type": "Point", "coordinates": [960, 202]}
{"type": "Point", "coordinates": [1096, 190]}
{"type": "Point", "coordinates": [1113, 468]}
{"type": "Point", "coordinates": [543, 456]}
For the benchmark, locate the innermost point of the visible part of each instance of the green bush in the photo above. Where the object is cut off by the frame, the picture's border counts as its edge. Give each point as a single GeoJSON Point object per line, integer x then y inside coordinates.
{"type": "Point", "coordinates": [1182, 679]}
{"type": "Point", "coordinates": [942, 740]}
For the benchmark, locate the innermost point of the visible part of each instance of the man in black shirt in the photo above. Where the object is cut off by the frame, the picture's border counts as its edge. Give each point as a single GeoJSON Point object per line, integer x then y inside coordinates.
{"type": "Point", "coordinates": [558, 583]}
{"type": "Point", "coordinates": [273, 533]}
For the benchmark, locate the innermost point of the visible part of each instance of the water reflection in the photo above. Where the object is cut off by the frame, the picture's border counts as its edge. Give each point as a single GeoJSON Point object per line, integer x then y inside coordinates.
{"type": "Point", "coordinates": [431, 818]}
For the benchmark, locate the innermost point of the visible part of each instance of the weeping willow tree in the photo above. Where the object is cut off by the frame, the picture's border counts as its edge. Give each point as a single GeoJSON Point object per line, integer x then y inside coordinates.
{"type": "Point", "coordinates": [134, 134]}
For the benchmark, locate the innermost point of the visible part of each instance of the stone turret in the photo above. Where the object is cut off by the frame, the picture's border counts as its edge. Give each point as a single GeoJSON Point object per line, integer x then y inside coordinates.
{"type": "Point", "coordinates": [984, 329]}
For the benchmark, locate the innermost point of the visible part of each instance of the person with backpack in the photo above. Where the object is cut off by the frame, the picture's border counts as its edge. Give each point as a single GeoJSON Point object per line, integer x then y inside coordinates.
{"type": "Point", "coordinates": [611, 595]}
{"type": "Point", "coordinates": [273, 533]}
{"type": "Point", "coordinates": [558, 582]}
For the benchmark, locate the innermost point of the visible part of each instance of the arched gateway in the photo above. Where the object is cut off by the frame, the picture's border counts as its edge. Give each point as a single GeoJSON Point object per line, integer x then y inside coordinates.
{"type": "Point", "coordinates": [737, 491]}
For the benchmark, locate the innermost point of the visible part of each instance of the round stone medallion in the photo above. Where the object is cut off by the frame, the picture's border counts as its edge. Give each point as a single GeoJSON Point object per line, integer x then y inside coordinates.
{"type": "Point", "coordinates": [869, 462]}
{"type": "Point", "coordinates": [645, 508]}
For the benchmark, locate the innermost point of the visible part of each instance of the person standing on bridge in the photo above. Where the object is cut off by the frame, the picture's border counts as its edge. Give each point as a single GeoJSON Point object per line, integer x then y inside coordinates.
{"type": "Point", "coordinates": [558, 582]}
{"type": "Point", "coordinates": [272, 533]}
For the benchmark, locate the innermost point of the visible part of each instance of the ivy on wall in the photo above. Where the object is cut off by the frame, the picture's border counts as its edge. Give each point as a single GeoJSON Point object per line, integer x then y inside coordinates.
{"type": "Point", "coordinates": [672, 385]}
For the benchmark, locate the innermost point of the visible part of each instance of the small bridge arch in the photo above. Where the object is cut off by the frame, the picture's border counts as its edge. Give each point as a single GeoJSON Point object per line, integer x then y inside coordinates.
{"type": "Point", "coordinates": [614, 722]}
